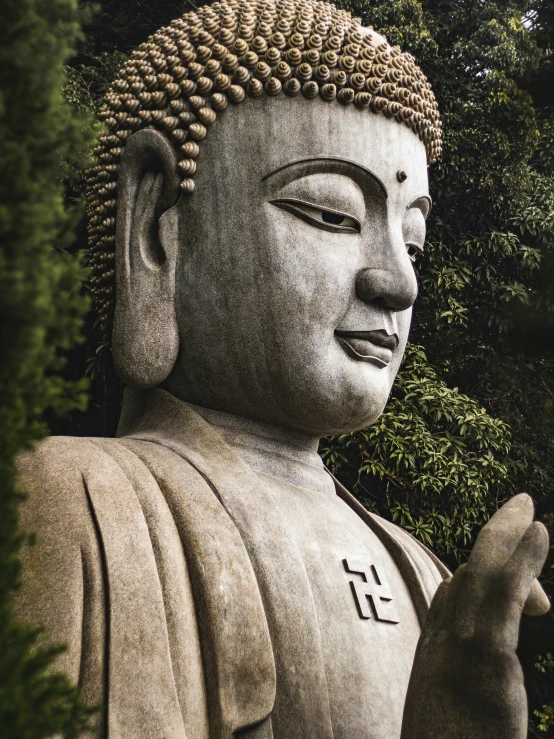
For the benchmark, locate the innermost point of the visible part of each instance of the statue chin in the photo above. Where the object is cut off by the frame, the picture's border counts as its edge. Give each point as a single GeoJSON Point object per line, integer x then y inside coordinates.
{"type": "Point", "coordinates": [332, 393]}
{"type": "Point", "coordinates": [316, 417]}
{"type": "Point", "coordinates": [360, 416]}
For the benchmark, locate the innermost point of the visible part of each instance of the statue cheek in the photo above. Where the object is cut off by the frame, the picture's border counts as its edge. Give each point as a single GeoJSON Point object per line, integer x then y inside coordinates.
{"type": "Point", "coordinates": [404, 322]}
{"type": "Point", "coordinates": [310, 272]}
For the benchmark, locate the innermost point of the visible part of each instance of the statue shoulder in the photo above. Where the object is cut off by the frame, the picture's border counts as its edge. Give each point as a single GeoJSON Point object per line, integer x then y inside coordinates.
{"type": "Point", "coordinates": [51, 476]}
{"type": "Point", "coordinates": [63, 567]}
{"type": "Point", "coordinates": [400, 540]}
{"type": "Point", "coordinates": [418, 551]}
{"type": "Point", "coordinates": [422, 571]}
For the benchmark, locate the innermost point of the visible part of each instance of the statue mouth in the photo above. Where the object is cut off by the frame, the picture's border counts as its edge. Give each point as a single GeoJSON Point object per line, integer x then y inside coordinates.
{"type": "Point", "coordinates": [375, 347]}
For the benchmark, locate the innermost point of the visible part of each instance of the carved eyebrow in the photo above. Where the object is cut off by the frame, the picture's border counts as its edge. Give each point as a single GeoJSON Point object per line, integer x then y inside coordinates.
{"type": "Point", "coordinates": [417, 198]}
{"type": "Point", "coordinates": [367, 172]}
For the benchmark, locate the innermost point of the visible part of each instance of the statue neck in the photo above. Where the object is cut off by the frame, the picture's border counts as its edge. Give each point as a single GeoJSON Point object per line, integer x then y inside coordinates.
{"type": "Point", "coordinates": [288, 455]}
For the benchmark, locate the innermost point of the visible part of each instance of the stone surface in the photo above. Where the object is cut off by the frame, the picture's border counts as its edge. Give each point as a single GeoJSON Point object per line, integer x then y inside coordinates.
{"type": "Point", "coordinates": [467, 681]}
{"type": "Point", "coordinates": [225, 591]}
{"type": "Point", "coordinates": [209, 577]}
{"type": "Point", "coordinates": [288, 284]}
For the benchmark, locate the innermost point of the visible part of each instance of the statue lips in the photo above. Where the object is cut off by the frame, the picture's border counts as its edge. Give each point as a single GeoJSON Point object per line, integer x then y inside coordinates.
{"type": "Point", "coordinates": [375, 347]}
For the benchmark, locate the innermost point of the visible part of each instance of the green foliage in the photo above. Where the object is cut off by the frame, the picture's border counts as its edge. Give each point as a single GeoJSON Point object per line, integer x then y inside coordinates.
{"type": "Point", "coordinates": [544, 717]}
{"type": "Point", "coordinates": [41, 310]}
{"type": "Point", "coordinates": [438, 454]}
{"type": "Point", "coordinates": [86, 83]}
{"type": "Point", "coordinates": [115, 29]}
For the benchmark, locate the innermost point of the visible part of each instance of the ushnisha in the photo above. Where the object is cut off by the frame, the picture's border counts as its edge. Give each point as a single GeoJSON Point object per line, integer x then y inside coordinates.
{"type": "Point", "coordinates": [187, 73]}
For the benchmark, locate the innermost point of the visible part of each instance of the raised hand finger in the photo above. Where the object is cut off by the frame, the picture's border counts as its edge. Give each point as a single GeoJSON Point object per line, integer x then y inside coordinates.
{"type": "Point", "coordinates": [502, 534]}
{"type": "Point", "coordinates": [441, 609]}
{"type": "Point", "coordinates": [495, 544]}
{"type": "Point", "coordinates": [510, 588]}
{"type": "Point", "coordinates": [444, 610]}
{"type": "Point", "coordinates": [537, 603]}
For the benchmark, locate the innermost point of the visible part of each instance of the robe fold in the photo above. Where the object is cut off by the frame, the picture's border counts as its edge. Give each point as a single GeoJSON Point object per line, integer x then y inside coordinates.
{"type": "Point", "coordinates": [192, 610]}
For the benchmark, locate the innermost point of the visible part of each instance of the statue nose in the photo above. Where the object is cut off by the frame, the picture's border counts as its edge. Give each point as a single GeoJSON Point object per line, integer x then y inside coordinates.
{"type": "Point", "coordinates": [394, 289]}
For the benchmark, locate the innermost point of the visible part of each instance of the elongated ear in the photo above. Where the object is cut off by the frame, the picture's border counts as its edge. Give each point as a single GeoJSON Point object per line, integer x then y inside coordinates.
{"type": "Point", "coordinates": [145, 339]}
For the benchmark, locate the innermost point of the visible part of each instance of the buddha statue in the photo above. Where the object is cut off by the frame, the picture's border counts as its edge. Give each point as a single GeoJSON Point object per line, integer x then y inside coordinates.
{"type": "Point", "coordinates": [258, 202]}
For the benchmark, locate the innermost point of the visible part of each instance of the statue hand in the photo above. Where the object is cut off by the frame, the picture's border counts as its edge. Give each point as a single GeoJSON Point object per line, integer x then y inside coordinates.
{"type": "Point", "coordinates": [467, 682]}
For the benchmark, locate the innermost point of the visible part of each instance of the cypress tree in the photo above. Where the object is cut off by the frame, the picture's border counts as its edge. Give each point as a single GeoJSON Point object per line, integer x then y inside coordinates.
{"type": "Point", "coordinates": [41, 310]}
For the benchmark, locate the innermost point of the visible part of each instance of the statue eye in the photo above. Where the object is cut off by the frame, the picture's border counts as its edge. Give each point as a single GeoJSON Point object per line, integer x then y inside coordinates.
{"type": "Point", "coordinates": [335, 218]}
{"type": "Point", "coordinates": [329, 220]}
{"type": "Point", "coordinates": [414, 251]}
{"type": "Point", "coordinates": [413, 231]}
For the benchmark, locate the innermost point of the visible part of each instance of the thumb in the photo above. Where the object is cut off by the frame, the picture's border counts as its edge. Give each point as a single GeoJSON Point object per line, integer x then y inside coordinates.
{"type": "Point", "coordinates": [537, 603]}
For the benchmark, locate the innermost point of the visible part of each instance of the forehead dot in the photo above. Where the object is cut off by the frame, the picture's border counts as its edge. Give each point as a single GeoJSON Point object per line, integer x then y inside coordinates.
{"type": "Point", "coordinates": [401, 176]}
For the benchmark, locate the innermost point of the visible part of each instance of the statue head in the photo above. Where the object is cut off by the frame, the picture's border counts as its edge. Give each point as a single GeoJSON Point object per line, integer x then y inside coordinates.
{"type": "Point", "coordinates": [259, 200]}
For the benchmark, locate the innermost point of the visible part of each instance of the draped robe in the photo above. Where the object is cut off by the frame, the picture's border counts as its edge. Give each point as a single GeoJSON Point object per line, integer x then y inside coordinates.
{"type": "Point", "coordinates": [199, 600]}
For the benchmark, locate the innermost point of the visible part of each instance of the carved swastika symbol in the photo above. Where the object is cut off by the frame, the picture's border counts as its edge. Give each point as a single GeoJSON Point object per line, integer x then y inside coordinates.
{"type": "Point", "coordinates": [373, 589]}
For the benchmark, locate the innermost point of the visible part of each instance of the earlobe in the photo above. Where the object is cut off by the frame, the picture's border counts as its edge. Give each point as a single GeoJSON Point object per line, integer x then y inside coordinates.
{"type": "Point", "coordinates": [145, 338]}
